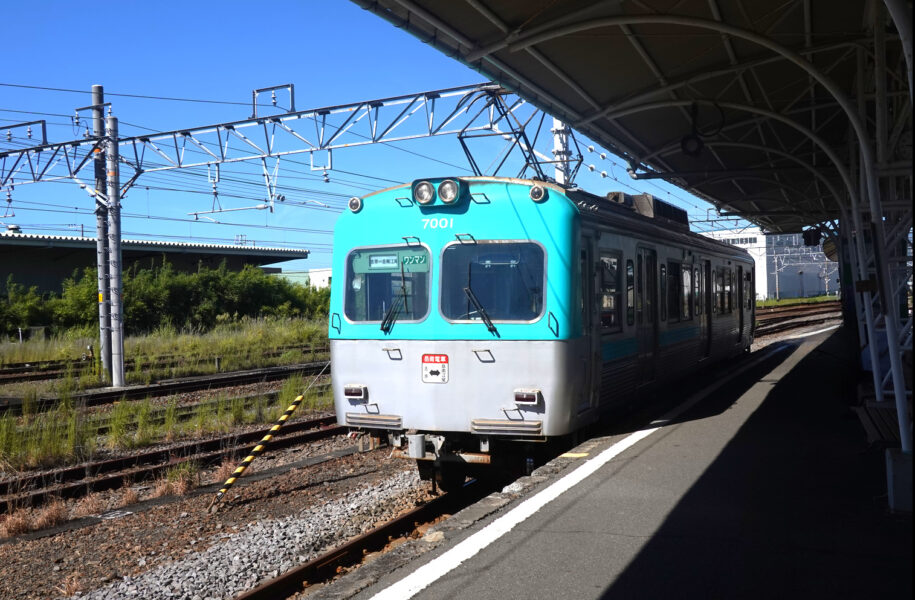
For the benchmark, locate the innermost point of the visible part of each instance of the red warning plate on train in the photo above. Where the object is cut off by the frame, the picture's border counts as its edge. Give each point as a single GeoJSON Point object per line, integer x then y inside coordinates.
{"type": "Point", "coordinates": [435, 368]}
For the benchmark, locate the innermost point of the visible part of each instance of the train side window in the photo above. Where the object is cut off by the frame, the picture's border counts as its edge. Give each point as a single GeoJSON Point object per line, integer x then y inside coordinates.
{"type": "Point", "coordinates": [611, 318]}
{"type": "Point", "coordinates": [663, 293]}
{"type": "Point", "coordinates": [674, 292]}
{"type": "Point", "coordinates": [748, 289]}
{"type": "Point", "coordinates": [630, 293]}
{"type": "Point", "coordinates": [728, 290]}
{"type": "Point", "coordinates": [638, 291]}
{"type": "Point", "coordinates": [686, 295]}
{"type": "Point", "coordinates": [719, 291]}
{"type": "Point", "coordinates": [698, 293]}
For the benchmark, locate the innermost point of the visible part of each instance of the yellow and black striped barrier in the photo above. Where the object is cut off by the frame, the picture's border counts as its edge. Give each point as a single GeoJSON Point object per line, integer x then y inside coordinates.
{"type": "Point", "coordinates": [262, 444]}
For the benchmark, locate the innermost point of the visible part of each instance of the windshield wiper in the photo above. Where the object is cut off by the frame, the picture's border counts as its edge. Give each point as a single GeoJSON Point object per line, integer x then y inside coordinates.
{"type": "Point", "coordinates": [391, 316]}
{"type": "Point", "coordinates": [482, 311]}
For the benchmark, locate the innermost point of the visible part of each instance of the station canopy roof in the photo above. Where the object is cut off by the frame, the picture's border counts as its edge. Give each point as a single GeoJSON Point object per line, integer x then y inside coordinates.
{"type": "Point", "coordinates": [728, 99]}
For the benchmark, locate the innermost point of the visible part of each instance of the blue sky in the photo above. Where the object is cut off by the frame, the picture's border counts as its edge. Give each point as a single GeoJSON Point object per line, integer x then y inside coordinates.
{"type": "Point", "coordinates": [333, 51]}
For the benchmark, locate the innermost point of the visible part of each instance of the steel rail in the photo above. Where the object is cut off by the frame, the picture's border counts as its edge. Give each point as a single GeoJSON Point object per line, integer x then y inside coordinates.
{"type": "Point", "coordinates": [169, 387]}
{"type": "Point", "coordinates": [799, 310]}
{"type": "Point", "coordinates": [47, 368]}
{"type": "Point", "coordinates": [325, 566]}
{"type": "Point", "coordinates": [77, 481]}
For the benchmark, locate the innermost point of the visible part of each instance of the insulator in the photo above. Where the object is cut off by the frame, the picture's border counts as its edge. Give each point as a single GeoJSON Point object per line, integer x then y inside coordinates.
{"type": "Point", "coordinates": [28, 131]}
{"type": "Point", "coordinates": [603, 155]}
{"type": "Point", "coordinates": [590, 148]}
{"type": "Point", "coordinates": [273, 97]}
{"type": "Point", "coordinates": [9, 135]}
{"type": "Point", "coordinates": [326, 177]}
{"type": "Point", "coordinates": [603, 173]}
{"type": "Point", "coordinates": [590, 167]}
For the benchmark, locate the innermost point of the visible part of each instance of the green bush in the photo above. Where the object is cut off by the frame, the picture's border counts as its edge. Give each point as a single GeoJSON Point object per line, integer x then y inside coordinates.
{"type": "Point", "coordinates": [161, 298]}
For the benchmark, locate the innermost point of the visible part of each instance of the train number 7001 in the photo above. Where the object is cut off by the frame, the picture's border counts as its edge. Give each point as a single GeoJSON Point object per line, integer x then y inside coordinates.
{"type": "Point", "coordinates": [443, 223]}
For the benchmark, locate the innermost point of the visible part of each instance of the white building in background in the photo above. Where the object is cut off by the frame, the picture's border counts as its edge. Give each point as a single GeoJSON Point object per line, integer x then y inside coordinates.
{"type": "Point", "coordinates": [785, 267]}
{"type": "Point", "coordinates": [319, 278]}
{"type": "Point", "coordinates": [316, 278]}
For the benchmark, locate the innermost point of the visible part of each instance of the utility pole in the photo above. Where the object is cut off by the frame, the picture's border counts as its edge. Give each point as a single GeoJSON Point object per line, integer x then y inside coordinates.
{"type": "Point", "coordinates": [101, 233]}
{"type": "Point", "coordinates": [114, 256]}
{"type": "Point", "coordinates": [561, 152]}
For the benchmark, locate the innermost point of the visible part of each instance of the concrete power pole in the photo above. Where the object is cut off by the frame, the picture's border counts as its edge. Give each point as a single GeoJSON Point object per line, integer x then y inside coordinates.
{"type": "Point", "coordinates": [561, 152]}
{"type": "Point", "coordinates": [101, 234]}
{"type": "Point", "coordinates": [114, 256]}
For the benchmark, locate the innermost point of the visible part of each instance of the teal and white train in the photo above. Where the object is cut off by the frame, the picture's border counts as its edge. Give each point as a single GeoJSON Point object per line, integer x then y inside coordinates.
{"type": "Point", "coordinates": [472, 314]}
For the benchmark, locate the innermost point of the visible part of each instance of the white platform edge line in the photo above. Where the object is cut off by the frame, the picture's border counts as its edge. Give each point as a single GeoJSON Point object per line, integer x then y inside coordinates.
{"type": "Point", "coordinates": [427, 574]}
{"type": "Point", "coordinates": [810, 333]}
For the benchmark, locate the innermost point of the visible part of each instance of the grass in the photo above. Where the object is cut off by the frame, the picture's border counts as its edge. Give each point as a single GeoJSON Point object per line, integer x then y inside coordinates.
{"type": "Point", "coordinates": [793, 301]}
{"type": "Point", "coordinates": [23, 520]}
{"type": "Point", "coordinates": [178, 480]}
{"type": "Point", "coordinates": [243, 345]}
{"type": "Point", "coordinates": [60, 435]}
{"type": "Point", "coordinates": [68, 434]}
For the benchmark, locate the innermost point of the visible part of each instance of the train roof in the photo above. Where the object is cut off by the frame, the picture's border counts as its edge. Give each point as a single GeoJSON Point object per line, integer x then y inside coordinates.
{"type": "Point", "coordinates": [638, 213]}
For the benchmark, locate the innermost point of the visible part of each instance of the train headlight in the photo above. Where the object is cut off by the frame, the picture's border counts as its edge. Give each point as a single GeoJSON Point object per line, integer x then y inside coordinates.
{"type": "Point", "coordinates": [355, 204]}
{"type": "Point", "coordinates": [528, 397]}
{"type": "Point", "coordinates": [355, 392]}
{"type": "Point", "coordinates": [424, 192]}
{"type": "Point", "coordinates": [538, 193]}
{"type": "Point", "coordinates": [448, 191]}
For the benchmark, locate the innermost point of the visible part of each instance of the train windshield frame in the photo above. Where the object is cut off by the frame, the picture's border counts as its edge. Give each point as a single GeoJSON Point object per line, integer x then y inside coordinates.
{"type": "Point", "coordinates": [506, 277]}
{"type": "Point", "coordinates": [387, 283]}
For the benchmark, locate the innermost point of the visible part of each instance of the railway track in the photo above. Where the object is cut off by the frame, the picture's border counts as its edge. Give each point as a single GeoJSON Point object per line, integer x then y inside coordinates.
{"type": "Point", "coordinates": [56, 369]}
{"type": "Point", "coordinates": [77, 481]}
{"type": "Point", "coordinates": [777, 313]}
{"type": "Point", "coordinates": [168, 387]}
{"type": "Point", "coordinates": [780, 319]}
{"type": "Point", "coordinates": [326, 566]}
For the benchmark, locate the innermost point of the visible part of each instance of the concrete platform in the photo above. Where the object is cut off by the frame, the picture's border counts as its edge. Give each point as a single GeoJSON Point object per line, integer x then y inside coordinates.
{"type": "Point", "coordinates": [764, 489]}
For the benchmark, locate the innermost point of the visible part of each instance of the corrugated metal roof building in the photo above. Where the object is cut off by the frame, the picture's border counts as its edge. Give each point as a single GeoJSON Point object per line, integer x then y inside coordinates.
{"type": "Point", "coordinates": [46, 260]}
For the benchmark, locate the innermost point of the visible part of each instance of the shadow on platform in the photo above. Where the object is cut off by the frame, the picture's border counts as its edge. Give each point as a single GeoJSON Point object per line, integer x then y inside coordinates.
{"type": "Point", "coordinates": [794, 506]}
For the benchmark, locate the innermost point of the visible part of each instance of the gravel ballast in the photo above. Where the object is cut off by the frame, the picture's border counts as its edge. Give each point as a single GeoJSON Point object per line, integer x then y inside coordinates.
{"type": "Point", "coordinates": [265, 549]}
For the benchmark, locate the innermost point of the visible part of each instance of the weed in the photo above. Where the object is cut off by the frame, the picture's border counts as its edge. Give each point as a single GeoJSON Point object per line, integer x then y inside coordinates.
{"type": "Point", "coordinates": [183, 477]}
{"type": "Point", "coordinates": [16, 523]}
{"type": "Point", "coordinates": [177, 480]}
{"type": "Point", "coordinates": [129, 496]}
{"type": "Point", "coordinates": [291, 389]}
{"type": "Point", "coordinates": [118, 423]}
{"type": "Point", "coordinates": [29, 404]}
{"type": "Point", "coordinates": [237, 409]}
{"type": "Point", "coordinates": [51, 514]}
{"type": "Point", "coordinates": [70, 585]}
{"type": "Point", "coordinates": [223, 420]}
{"type": "Point", "coordinates": [162, 488]}
{"type": "Point", "coordinates": [92, 504]}
{"type": "Point", "coordinates": [225, 470]}
{"type": "Point", "coordinates": [145, 428]}
{"type": "Point", "coordinates": [793, 301]}
{"type": "Point", "coordinates": [203, 417]}
{"type": "Point", "coordinates": [170, 420]}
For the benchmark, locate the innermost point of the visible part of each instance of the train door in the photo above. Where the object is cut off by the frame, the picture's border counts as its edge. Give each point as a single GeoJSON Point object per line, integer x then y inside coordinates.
{"type": "Point", "coordinates": [646, 313]}
{"type": "Point", "coordinates": [740, 303]}
{"type": "Point", "coordinates": [591, 341]}
{"type": "Point", "coordinates": [707, 284]}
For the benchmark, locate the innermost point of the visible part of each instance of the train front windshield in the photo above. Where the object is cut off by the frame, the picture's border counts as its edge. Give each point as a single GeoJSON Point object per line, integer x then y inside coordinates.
{"type": "Point", "coordinates": [387, 283]}
{"type": "Point", "coordinates": [504, 279]}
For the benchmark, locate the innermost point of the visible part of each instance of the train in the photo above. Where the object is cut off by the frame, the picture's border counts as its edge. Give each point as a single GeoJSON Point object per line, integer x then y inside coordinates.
{"type": "Point", "coordinates": [471, 317]}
